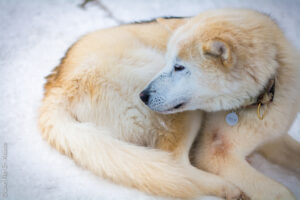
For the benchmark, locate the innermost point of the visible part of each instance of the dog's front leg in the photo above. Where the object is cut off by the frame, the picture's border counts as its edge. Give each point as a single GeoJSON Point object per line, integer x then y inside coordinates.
{"type": "Point", "coordinates": [222, 150]}
{"type": "Point", "coordinates": [179, 143]}
{"type": "Point", "coordinates": [179, 140]}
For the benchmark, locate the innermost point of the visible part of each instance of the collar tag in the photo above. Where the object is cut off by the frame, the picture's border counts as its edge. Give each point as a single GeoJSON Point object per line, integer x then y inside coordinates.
{"type": "Point", "coordinates": [232, 118]}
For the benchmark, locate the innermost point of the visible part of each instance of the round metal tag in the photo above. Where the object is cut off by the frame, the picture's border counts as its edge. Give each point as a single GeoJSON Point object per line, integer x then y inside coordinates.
{"type": "Point", "coordinates": [232, 118]}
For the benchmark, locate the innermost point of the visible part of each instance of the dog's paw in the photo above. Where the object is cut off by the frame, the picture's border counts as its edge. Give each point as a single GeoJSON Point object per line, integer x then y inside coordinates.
{"type": "Point", "coordinates": [243, 196]}
{"type": "Point", "coordinates": [231, 192]}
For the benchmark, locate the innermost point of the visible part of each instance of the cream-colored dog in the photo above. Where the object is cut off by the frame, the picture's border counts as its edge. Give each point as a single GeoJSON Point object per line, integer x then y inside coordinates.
{"type": "Point", "coordinates": [233, 60]}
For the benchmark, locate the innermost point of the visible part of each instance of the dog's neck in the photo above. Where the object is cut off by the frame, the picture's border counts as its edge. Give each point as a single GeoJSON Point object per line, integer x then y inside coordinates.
{"type": "Point", "coordinates": [265, 97]}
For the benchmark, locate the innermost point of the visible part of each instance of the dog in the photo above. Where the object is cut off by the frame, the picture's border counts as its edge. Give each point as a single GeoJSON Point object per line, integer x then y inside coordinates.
{"type": "Point", "coordinates": [96, 103]}
{"type": "Point", "coordinates": [238, 67]}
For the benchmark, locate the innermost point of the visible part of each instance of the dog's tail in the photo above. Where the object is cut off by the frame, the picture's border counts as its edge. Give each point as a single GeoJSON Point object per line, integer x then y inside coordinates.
{"type": "Point", "coordinates": [92, 147]}
{"type": "Point", "coordinates": [284, 151]}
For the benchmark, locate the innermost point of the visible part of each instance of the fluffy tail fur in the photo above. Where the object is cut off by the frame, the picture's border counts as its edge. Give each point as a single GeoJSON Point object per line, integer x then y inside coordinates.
{"type": "Point", "coordinates": [92, 147]}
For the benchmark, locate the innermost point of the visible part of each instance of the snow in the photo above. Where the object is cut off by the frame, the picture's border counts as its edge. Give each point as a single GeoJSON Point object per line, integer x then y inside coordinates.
{"type": "Point", "coordinates": [34, 35]}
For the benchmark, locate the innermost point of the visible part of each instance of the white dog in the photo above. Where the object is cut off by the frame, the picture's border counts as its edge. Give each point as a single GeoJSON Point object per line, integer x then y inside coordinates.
{"type": "Point", "coordinates": [219, 61]}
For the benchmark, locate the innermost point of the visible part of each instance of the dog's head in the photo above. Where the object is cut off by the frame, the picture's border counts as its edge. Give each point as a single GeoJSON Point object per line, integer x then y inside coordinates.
{"type": "Point", "coordinates": [215, 61]}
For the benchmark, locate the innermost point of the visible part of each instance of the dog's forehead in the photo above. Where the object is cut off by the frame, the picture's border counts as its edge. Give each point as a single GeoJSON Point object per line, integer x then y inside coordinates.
{"type": "Point", "coordinates": [182, 39]}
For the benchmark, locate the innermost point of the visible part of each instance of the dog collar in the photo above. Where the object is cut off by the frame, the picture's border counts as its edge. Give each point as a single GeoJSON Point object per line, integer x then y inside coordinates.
{"type": "Point", "coordinates": [267, 95]}
{"type": "Point", "coordinates": [264, 98]}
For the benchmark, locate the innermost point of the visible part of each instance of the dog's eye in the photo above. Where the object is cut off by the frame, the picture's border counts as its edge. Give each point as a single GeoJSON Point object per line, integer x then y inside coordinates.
{"type": "Point", "coordinates": [178, 67]}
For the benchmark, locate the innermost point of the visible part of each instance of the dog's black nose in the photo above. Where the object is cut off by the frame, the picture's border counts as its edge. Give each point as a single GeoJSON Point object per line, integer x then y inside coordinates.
{"type": "Point", "coordinates": [145, 96]}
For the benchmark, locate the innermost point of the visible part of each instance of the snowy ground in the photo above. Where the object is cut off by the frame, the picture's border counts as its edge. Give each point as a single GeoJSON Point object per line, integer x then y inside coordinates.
{"type": "Point", "coordinates": [34, 35]}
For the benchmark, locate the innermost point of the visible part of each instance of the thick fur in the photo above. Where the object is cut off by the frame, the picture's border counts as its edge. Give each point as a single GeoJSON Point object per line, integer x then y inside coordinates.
{"type": "Point", "coordinates": [92, 113]}
{"type": "Point", "coordinates": [222, 149]}
{"type": "Point", "coordinates": [284, 151]}
{"type": "Point", "coordinates": [91, 110]}
{"type": "Point", "coordinates": [221, 61]}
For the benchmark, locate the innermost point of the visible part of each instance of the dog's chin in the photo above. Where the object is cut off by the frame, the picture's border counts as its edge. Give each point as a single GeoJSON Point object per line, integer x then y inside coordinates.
{"type": "Point", "coordinates": [174, 109]}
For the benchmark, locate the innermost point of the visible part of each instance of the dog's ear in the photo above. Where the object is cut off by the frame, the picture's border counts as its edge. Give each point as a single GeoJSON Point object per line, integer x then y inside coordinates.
{"type": "Point", "coordinates": [172, 23]}
{"type": "Point", "coordinates": [219, 49]}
